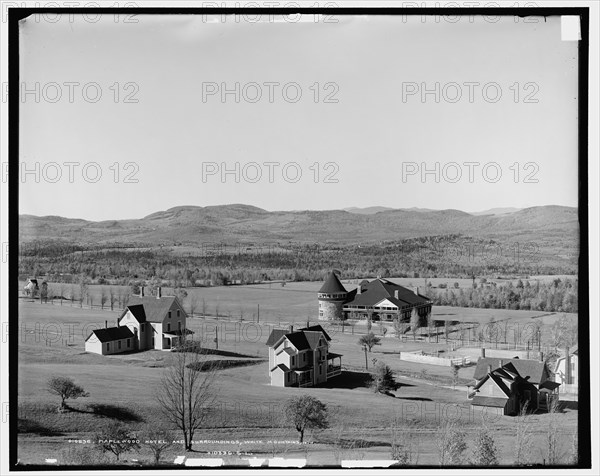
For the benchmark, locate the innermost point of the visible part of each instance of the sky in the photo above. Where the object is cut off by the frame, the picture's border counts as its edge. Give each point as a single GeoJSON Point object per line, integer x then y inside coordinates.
{"type": "Point", "coordinates": [120, 120]}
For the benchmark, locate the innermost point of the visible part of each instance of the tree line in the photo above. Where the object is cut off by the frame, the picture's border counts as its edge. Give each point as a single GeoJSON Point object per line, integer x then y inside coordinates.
{"type": "Point", "coordinates": [435, 256]}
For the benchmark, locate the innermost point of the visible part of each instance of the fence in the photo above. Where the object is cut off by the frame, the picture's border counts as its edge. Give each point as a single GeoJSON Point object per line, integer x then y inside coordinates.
{"type": "Point", "coordinates": [431, 360]}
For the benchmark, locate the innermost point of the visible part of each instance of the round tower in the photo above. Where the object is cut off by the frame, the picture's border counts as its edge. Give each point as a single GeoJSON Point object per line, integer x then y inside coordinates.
{"type": "Point", "coordinates": [332, 297]}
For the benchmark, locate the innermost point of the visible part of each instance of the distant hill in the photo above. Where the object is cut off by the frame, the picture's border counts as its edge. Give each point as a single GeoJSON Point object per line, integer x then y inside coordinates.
{"type": "Point", "coordinates": [192, 225]}
{"type": "Point", "coordinates": [372, 210]}
{"type": "Point", "coordinates": [367, 210]}
{"type": "Point", "coordinates": [498, 211]}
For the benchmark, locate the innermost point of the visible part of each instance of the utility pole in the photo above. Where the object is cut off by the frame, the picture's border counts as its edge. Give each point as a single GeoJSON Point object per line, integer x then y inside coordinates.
{"type": "Point", "coordinates": [216, 338]}
{"type": "Point", "coordinates": [366, 358]}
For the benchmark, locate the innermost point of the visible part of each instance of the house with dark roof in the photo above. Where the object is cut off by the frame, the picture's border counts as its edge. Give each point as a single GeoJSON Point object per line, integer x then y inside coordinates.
{"type": "Point", "coordinates": [153, 322]}
{"type": "Point", "coordinates": [301, 358]}
{"type": "Point", "coordinates": [507, 384]}
{"type": "Point", "coordinates": [380, 299]}
{"type": "Point", "coordinates": [110, 340]}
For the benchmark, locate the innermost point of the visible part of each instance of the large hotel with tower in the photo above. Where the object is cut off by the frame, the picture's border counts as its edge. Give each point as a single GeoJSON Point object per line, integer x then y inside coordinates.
{"type": "Point", "coordinates": [380, 299]}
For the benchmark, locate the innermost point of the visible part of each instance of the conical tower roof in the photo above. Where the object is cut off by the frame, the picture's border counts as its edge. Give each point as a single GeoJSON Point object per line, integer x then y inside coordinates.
{"type": "Point", "coordinates": [332, 285]}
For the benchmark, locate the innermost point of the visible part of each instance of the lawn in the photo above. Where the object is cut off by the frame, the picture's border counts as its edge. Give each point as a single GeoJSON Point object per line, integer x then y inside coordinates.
{"type": "Point", "coordinates": [247, 408]}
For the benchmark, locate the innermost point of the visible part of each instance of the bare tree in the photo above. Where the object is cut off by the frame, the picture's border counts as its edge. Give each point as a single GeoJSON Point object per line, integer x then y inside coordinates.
{"type": "Point", "coordinates": [554, 455]}
{"type": "Point", "coordinates": [451, 445]}
{"type": "Point", "coordinates": [72, 293]}
{"type": "Point", "coordinates": [158, 440]}
{"type": "Point", "coordinates": [126, 297]}
{"type": "Point", "coordinates": [112, 298]}
{"type": "Point", "coordinates": [103, 297]}
{"type": "Point", "coordinates": [61, 290]}
{"type": "Point", "coordinates": [117, 439]}
{"type": "Point", "coordinates": [430, 324]}
{"type": "Point", "coordinates": [187, 390]}
{"type": "Point", "coordinates": [523, 436]}
{"type": "Point", "coordinates": [83, 291]}
{"type": "Point", "coordinates": [193, 302]}
{"type": "Point", "coordinates": [485, 452]}
{"type": "Point", "coordinates": [414, 323]}
{"type": "Point", "coordinates": [404, 444]}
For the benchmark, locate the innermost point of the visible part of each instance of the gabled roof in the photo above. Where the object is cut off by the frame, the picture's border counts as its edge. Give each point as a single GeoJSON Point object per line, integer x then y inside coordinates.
{"type": "Point", "coordinates": [298, 340]}
{"type": "Point", "coordinates": [534, 369]}
{"type": "Point", "coordinates": [499, 402]}
{"type": "Point", "coordinates": [138, 312]}
{"type": "Point", "coordinates": [302, 339]}
{"type": "Point", "coordinates": [332, 285]}
{"type": "Point", "coordinates": [275, 335]}
{"type": "Point", "coordinates": [316, 328]}
{"type": "Point", "coordinates": [109, 334]}
{"type": "Point", "coordinates": [380, 289]}
{"type": "Point", "coordinates": [282, 367]}
{"type": "Point", "coordinates": [155, 309]}
{"type": "Point", "coordinates": [313, 338]}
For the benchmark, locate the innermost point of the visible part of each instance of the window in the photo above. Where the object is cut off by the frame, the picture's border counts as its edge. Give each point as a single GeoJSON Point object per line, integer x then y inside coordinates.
{"type": "Point", "coordinates": [169, 314]}
{"type": "Point", "coordinates": [142, 327]}
{"type": "Point", "coordinates": [178, 313]}
{"type": "Point", "coordinates": [128, 342]}
{"type": "Point", "coordinates": [119, 345]}
{"type": "Point", "coordinates": [168, 325]}
{"type": "Point", "coordinates": [179, 325]}
{"type": "Point", "coordinates": [293, 361]}
{"type": "Point", "coordinates": [108, 347]}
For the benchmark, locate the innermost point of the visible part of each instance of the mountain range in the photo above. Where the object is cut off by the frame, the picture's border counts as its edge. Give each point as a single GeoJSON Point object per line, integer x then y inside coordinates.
{"type": "Point", "coordinates": [238, 223]}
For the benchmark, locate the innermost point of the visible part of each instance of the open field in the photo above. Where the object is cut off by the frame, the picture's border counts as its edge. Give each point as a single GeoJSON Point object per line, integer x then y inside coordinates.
{"type": "Point", "coordinates": [294, 302]}
{"type": "Point", "coordinates": [247, 408]}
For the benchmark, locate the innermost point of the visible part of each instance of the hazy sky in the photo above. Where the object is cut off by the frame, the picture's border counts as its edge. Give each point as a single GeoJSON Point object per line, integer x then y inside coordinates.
{"type": "Point", "coordinates": [375, 138]}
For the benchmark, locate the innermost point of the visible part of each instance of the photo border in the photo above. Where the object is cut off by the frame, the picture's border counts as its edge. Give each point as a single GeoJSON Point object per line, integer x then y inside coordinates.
{"type": "Point", "coordinates": [16, 14]}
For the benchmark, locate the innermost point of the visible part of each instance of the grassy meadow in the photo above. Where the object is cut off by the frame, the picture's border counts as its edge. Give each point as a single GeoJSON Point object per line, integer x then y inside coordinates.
{"type": "Point", "coordinates": [123, 387]}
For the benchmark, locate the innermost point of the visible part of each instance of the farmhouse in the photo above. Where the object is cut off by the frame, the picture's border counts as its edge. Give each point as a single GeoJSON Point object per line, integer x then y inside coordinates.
{"type": "Point", "coordinates": [301, 358]}
{"type": "Point", "coordinates": [32, 287]}
{"type": "Point", "coordinates": [110, 340]}
{"type": "Point", "coordinates": [380, 298]}
{"type": "Point", "coordinates": [567, 370]}
{"type": "Point", "coordinates": [510, 383]}
{"type": "Point", "coordinates": [151, 323]}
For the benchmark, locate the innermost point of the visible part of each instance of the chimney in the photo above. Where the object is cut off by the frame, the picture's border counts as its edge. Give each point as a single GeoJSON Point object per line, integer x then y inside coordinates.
{"type": "Point", "coordinates": [158, 293]}
{"type": "Point", "coordinates": [141, 291]}
{"type": "Point", "coordinates": [291, 328]}
{"type": "Point", "coordinates": [416, 290]}
{"type": "Point", "coordinates": [489, 369]}
{"type": "Point", "coordinates": [541, 356]}
{"type": "Point", "coordinates": [118, 322]}
{"type": "Point", "coordinates": [500, 363]}
{"type": "Point", "coordinates": [396, 294]}
{"type": "Point", "coordinates": [106, 324]}
{"type": "Point", "coordinates": [359, 289]}
{"type": "Point", "coordinates": [483, 352]}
